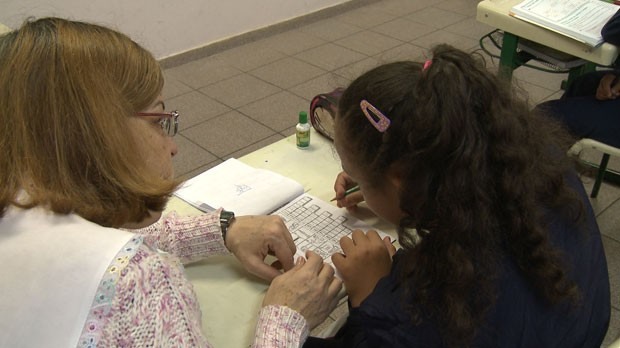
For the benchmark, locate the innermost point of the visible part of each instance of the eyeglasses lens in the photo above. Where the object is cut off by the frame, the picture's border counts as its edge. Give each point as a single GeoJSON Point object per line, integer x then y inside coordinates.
{"type": "Point", "coordinates": [170, 125]}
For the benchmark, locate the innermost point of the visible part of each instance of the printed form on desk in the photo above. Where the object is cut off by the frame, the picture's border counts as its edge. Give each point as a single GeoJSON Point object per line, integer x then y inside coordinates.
{"type": "Point", "coordinates": [314, 224]}
{"type": "Point", "coordinates": [581, 20]}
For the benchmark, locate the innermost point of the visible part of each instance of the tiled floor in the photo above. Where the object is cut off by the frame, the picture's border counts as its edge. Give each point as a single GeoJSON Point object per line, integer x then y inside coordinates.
{"type": "Point", "coordinates": [246, 97]}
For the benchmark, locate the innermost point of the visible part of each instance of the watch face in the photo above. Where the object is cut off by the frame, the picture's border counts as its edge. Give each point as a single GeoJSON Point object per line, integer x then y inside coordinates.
{"type": "Point", "coordinates": [226, 215]}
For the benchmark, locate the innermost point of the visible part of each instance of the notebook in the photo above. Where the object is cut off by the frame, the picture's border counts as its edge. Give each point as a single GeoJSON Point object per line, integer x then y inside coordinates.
{"type": "Point", "coordinates": [314, 224]}
{"type": "Point", "coordinates": [581, 20]}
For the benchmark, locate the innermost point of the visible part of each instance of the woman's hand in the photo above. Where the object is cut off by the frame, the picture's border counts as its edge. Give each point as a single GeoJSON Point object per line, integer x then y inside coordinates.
{"type": "Point", "coordinates": [309, 287]}
{"type": "Point", "coordinates": [608, 87]}
{"type": "Point", "coordinates": [344, 182]}
{"type": "Point", "coordinates": [366, 259]}
{"type": "Point", "coordinates": [252, 238]}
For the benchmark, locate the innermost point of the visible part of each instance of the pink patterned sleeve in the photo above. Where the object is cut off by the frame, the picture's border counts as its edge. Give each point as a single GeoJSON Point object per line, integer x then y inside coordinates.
{"type": "Point", "coordinates": [154, 305]}
{"type": "Point", "coordinates": [280, 326]}
{"type": "Point", "coordinates": [190, 238]}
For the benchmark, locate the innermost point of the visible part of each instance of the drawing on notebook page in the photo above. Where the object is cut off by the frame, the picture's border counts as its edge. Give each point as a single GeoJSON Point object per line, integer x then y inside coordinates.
{"type": "Point", "coordinates": [241, 189]}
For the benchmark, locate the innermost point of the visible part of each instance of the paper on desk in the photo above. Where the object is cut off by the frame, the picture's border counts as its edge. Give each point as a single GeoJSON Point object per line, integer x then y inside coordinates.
{"type": "Point", "coordinates": [318, 226]}
{"type": "Point", "coordinates": [579, 19]}
{"type": "Point", "coordinates": [240, 188]}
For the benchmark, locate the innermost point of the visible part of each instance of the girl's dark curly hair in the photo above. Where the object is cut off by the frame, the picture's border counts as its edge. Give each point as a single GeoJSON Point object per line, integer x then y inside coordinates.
{"type": "Point", "coordinates": [479, 171]}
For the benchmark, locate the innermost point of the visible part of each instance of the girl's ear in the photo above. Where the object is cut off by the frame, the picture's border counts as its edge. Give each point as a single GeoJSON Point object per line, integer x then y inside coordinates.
{"type": "Point", "coordinates": [395, 175]}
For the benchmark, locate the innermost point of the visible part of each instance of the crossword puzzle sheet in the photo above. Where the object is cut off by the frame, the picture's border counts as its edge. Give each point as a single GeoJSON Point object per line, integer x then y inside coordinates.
{"type": "Point", "coordinates": [318, 226]}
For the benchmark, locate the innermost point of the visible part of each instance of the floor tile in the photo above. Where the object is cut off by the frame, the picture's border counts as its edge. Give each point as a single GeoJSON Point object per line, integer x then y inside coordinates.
{"type": "Point", "coordinates": [554, 96]}
{"type": "Point", "coordinates": [249, 56]}
{"type": "Point", "coordinates": [435, 17]}
{"type": "Point", "coordinates": [595, 156]}
{"type": "Point", "coordinates": [322, 84]}
{"type": "Point", "coordinates": [173, 87]}
{"type": "Point", "coordinates": [533, 93]}
{"type": "Point", "coordinates": [330, 56]}
{"type": "Point", "coordinates": [540, 78]}
{"type": "Point", "coordinates": [489, 49]}
{"type": "Point", "coordinates": [609, 222]}
{"type": "Point", "coordinates": [290, 131]}
{"type": "Point", "coordinates": [227, 133]}
{"type": "Point", "coordinates": [470, 28]}
{"type": "Point", "coordinates": [190, 156]}
{"type": "Point", "coordinates": [353, 71]}
{"type": "Point", "coordinates": [399, 7]}
{"type": "Point", "coordinates": [365, 18]}
{"type": "Point", "coordinates": [443, 37]}
{"type": "Point", "coordinates": [612, 253]}
{"type": "Point", "coordinates": [613, 333]}
{"type": "Point", "coordinates": [403, 52]}
{"type": "Point", "coordinates": [279, 111]}
{"type": "Point", "coordinates": [195, 108]}
{"type": "Point", "coordinates": [403, 30]}
{"type": "Point", "coordinates": [239, 90]}
{"type": "Point", "coordinates": [368, 42]}
{"type": "Point", "coordinates": [608, 194]}
{"type": "Point", "coordinates": [465, 7]}
{"type": "Point", "coordinates": [202, 72]}
{"type": "Point", "coordinates": [255, 146]}
{"type": "Point", "coordinates": [614, 163]}
{"type": "Point", "coordinates": [330, 29]}
{"type": "Point", "coordinates": [293, 42]}
{"type": "Point", "coordinates": [287, 72]}
{"type": "Point", "coordinates": [200, 169]}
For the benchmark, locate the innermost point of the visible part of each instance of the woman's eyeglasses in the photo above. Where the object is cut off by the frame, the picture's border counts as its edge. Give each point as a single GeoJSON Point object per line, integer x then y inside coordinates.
{"type": "Point", "coordinates": [169, 123]}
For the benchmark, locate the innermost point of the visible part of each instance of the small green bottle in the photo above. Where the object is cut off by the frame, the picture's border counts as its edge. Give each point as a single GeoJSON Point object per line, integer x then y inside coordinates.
{"type": "Point", "coordinates": [303, 131]}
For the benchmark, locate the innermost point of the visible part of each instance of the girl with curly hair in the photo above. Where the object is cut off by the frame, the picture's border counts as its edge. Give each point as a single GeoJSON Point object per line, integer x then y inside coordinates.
{"type": "Point", "coordinates": [500, 247]}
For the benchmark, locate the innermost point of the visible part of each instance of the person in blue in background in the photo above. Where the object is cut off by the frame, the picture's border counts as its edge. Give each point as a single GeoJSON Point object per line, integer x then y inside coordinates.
{"type": "Point", "coordinates": [590, 106]}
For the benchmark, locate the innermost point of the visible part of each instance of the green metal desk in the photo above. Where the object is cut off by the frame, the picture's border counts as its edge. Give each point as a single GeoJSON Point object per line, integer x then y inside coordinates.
{"type": "Point", "coordinates": [495, 13]}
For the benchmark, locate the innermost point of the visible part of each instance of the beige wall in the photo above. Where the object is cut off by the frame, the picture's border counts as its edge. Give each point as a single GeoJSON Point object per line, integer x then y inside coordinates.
{"type": "Point", "coordinates": [166, 27]}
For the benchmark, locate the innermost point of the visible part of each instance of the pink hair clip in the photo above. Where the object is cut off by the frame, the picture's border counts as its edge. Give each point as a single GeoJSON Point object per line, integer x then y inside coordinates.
{"type": "Point", "coordinates": [376, 117]}
{"type": "Point", "coordinates": [427, 64]}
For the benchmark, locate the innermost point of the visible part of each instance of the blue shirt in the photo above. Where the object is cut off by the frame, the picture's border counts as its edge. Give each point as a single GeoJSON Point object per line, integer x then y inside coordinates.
{"type": "Point", "coordinates": [519, 318]}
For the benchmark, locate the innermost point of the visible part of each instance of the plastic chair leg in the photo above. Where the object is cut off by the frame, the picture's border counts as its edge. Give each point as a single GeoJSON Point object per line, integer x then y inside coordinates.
{"type": "Point", "coordinates": [600, 175]}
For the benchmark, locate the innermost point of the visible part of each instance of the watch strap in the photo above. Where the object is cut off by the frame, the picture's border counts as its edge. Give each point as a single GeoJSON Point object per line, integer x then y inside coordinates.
{"type": "Point", "coordinates": [226, 218]}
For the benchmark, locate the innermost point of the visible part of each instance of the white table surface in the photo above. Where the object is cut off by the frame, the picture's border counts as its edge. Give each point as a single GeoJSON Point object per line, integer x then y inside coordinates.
{"type": "Point", "coordinates": [496, 14]}
{"type": "Point", "coordinates": [4, 29]}
{"type": "Point", "coordinates": [229, 297]}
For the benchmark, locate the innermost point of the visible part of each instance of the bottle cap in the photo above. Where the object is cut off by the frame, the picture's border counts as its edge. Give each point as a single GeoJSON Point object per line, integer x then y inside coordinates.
{"type": "Point", "coordinates": [303, 117]}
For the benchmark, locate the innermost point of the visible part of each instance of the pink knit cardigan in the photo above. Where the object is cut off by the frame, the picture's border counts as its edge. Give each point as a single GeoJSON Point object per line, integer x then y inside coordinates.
{"type": "Point", "coordinates": [145, 300]}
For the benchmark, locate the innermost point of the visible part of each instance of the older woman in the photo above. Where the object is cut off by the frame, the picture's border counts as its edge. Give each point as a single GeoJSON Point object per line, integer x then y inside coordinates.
{"type": "Point", "coordinates": [86, 151]}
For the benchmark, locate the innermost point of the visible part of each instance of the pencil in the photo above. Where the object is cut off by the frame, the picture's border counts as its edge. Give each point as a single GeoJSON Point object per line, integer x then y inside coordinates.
{"type": "Point", "coordinates": [348, 192]}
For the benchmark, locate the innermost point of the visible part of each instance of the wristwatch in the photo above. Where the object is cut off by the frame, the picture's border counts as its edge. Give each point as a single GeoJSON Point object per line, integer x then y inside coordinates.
{"type": "Point", "coordinates": [226, 218]}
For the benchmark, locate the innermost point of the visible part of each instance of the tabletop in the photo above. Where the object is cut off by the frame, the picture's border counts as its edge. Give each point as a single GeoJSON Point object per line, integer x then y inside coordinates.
{"type": "Point", "coordinates": [230, 298]}
{"type": "Point", "coordinates": [496, 14]}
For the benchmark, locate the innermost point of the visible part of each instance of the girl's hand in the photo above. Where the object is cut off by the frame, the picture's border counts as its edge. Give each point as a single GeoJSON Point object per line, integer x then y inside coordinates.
{"type": "Point", "coordinates": [344, 182]}
{"type": "Point", "coordinates": [366, 259]}
{"type": "Point", "coordinates": [608, 87]}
